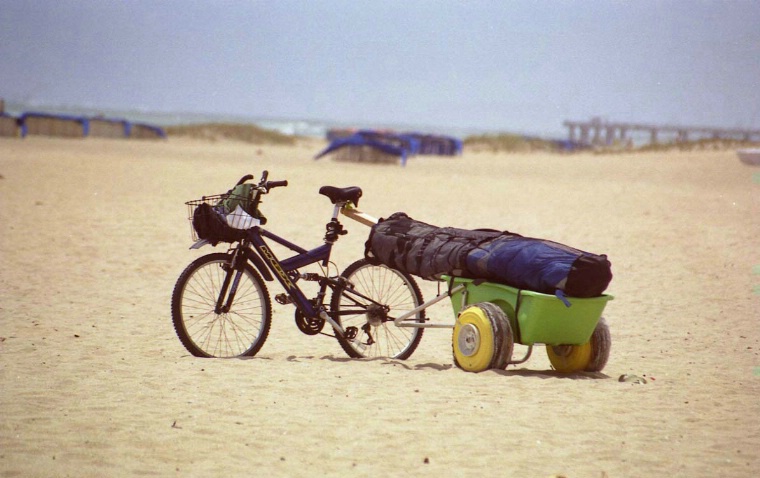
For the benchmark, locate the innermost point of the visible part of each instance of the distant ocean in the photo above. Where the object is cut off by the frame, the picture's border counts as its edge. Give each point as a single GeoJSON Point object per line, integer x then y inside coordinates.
{"type": "Point", "coordinates": [288, 126]}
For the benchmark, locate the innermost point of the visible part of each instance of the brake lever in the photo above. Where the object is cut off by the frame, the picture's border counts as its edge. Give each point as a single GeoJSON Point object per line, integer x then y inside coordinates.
{"type": "Point", "coordinates": [264, 176]}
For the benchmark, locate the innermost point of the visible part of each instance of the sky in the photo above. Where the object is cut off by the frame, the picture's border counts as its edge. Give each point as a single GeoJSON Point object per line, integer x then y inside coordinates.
{"type": "Point", "coordinates": [518, 66]}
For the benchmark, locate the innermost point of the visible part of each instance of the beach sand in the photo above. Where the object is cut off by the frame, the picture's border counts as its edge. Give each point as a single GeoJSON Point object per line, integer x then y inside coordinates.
{"type": "Point", "coordinates": [96, 383]}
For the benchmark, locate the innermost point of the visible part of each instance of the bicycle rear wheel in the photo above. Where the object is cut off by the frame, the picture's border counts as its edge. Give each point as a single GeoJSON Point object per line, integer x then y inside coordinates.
{"type": "Point", "coordinates": [367, 306]}
{"type": "Point", "coordinates": [237, 332]}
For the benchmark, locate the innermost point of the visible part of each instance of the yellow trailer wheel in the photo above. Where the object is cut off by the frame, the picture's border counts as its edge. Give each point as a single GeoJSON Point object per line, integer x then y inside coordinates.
{"type": "Point", "coordinates": [601, 342]}
{"type": "Point", "coordinates": [482, 338]}
{"type": "Point", "coordinates": [569, 358]}
{"type": "Point", "coordinates": [589, 357]}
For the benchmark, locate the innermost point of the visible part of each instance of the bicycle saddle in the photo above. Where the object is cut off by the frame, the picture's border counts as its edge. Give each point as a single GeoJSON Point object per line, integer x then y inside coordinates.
{"type": "Point", "coordinates": [351, 193]}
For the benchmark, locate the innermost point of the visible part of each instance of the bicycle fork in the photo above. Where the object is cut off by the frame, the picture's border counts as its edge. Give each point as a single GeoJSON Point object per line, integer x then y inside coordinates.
{"type": "Point", "coordinates": [231, 278]}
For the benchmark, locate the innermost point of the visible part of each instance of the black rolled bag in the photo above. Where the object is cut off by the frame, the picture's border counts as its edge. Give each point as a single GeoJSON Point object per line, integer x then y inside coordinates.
{"type": "Point", "coordinates": [210, 223]}
{"type": "Point", "coordinates": [429, 252]}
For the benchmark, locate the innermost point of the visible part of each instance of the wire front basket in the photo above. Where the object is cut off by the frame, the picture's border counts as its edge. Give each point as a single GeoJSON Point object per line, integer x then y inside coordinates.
{"type": "Point", "coordinates": [236, 219]}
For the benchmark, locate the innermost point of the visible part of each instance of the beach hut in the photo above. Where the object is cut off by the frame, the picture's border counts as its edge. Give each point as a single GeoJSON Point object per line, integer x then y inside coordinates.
{"type": "Point", "coordinates": [8, 125]}
{"type": "Point", "coordinates": [365, 154]}
{"type": "Point", "coordinates": [402, 141]}
{"type": "Point", "coordinates": [144, 131]}
{"type": "Point", "coordinates": [106, 128]}
{"type": "Point", "coordinates": [47, 124]}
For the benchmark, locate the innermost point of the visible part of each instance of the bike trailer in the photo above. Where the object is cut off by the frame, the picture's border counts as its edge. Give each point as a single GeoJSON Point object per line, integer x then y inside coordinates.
{"type": "Point", "coordinates": [533, 316]}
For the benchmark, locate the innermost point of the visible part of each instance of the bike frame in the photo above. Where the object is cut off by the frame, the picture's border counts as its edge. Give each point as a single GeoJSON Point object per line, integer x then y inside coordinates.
{"type": "Point", "coordinates": [280, 269]}
{"type": "Point", "coordinates": [258, 252]}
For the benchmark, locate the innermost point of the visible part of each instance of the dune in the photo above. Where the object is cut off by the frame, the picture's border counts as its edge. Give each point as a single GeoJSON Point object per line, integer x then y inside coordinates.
{"type": "Point", "coordinates": [96, 383]}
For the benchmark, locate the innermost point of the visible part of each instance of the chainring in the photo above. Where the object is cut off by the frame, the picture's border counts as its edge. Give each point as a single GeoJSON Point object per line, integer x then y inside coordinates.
{"type": "Point", "coordinates": [309, 325]}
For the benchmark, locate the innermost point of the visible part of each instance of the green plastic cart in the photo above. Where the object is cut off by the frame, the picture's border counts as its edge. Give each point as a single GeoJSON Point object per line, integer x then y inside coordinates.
{"type": "Point", "coordinates": [491, 318]}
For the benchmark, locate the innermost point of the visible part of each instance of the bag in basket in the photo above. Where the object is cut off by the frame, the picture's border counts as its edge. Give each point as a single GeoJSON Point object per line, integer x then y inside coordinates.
{"type": "Point", "coordinates": [210, 223]}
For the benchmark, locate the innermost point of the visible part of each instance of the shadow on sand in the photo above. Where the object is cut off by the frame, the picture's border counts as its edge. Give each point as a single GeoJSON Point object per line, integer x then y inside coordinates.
{"type": "Point", "coordinates": [387, 361]}
{"type": "Point", "coordinates": [542, 374]}
{"type": "Point", "coordinates": [546, 374]}
{"type": "Point", "coordinates": [441, 367]}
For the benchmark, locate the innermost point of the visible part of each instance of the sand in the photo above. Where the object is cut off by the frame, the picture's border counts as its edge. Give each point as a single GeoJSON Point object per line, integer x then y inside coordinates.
{"type": "Point", "coordinates": [96, 383]}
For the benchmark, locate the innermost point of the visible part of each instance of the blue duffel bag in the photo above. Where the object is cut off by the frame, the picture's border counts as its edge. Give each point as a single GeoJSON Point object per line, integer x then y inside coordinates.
{"type": "Point", "coordinates": [539, 265]}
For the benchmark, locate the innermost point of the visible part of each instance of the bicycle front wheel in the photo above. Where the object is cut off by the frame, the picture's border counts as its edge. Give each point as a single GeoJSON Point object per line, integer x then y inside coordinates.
{"type": "Point", "coordinates": [367, 306]}
{"type": "Point", "coordinates": [205, 331]}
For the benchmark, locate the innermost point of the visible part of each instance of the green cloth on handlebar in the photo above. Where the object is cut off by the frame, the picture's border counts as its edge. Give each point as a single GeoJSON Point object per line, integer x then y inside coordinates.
{"type": "Point", "coordinates": [246, 196]}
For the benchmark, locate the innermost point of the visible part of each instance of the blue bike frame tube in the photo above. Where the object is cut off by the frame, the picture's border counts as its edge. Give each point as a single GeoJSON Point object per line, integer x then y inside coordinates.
{"type": "Point", "coordinates": [321, 253]}
{"type": "Point", "coordinates": [304, 258]}
{"type": "Point", "coordinates": [279, 240]}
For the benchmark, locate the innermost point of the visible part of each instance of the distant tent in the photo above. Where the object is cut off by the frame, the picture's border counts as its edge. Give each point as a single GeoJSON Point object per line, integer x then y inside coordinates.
{"type": "Point", "coordinates": [429, 144]}
{"type": "Point", "coordinates": [387, 146]}
{"type": "Point", "coordinates": [369, 146]}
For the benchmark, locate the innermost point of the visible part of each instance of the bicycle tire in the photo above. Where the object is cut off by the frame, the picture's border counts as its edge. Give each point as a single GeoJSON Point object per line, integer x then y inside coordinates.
{"type": "Point", "coordinates": [397, 291]}
{"type": "Point", "coordinates": [241, 332]}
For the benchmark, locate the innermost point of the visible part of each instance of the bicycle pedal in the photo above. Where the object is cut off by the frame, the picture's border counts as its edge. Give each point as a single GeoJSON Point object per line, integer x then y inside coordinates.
{"type": "Point", "coordinates": [283, 299]}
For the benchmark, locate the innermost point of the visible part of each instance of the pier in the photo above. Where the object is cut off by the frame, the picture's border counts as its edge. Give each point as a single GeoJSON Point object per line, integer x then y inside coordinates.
{"type": "Point", "coordinates": [599, 132]}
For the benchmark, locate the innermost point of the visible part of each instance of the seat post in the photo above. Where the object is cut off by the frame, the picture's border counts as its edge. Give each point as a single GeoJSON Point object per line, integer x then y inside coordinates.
{"type": "Point", "coordinates": [336, 210]}
{"type": "Point", "coordinates": [334, 227]}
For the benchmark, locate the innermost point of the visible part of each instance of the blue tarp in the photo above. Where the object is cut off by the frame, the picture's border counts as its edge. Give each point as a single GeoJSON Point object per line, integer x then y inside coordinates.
{"type": "Point", "coordinates": [399, 144]}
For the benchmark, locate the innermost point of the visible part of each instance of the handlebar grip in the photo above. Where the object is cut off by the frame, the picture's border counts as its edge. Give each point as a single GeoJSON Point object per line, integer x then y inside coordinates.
{"type": "Point", "coordinates": [245, 178]}
{"type": "Point", "coordinates": [276, 184]}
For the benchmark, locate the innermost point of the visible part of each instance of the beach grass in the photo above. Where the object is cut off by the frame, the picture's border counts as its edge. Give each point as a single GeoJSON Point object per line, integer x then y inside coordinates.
{"type": "Point", "coordinates": [246, 133]}
{"type": "Point", "coordinates": [507, 142]}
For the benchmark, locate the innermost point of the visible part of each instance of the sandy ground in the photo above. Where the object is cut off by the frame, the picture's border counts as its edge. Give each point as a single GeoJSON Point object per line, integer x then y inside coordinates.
{"type": "Point", "coordinates": [96, 383]}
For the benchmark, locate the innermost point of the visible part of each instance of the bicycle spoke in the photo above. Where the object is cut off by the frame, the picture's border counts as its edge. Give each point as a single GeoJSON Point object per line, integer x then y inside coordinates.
{"type": "Point", "coordinates": [239, 331]}
{"type": "Point", "coordinates": [390, 294]}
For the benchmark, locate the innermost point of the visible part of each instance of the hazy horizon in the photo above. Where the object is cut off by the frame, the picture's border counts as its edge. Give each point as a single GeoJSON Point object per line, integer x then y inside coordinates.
{"type": "Point", "coordinates": [481, 66]}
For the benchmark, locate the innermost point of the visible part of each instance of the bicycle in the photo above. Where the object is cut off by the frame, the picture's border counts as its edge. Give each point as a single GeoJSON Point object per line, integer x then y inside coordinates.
{"type": "Point", "coordinates": [221, 306]}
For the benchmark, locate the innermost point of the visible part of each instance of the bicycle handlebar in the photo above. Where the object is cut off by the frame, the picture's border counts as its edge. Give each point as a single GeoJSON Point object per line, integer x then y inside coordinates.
{"type": "Point", "coordinates": [263, 183]}
{"type": "Point", "coordinates": [275, 184]}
